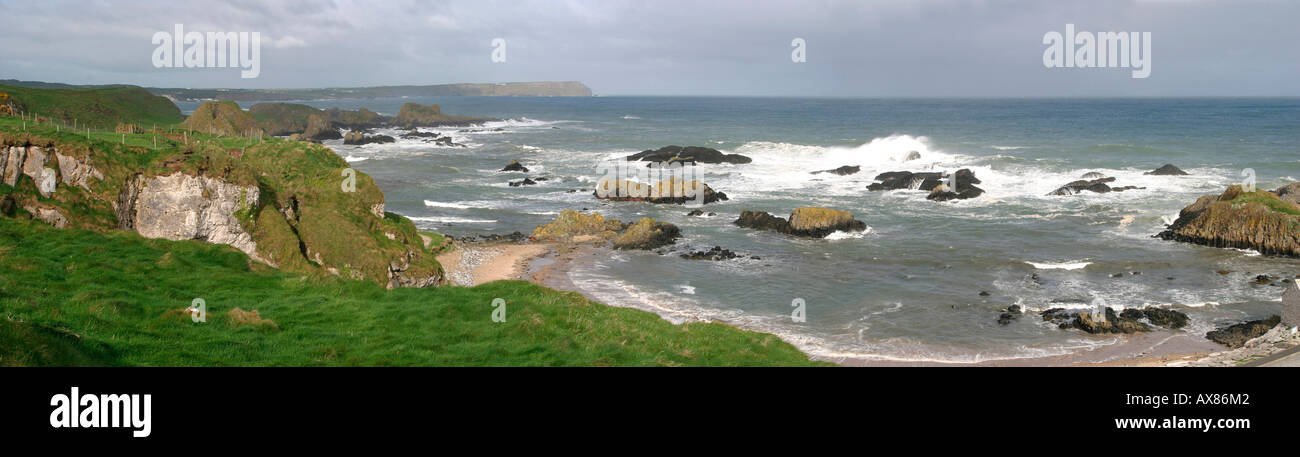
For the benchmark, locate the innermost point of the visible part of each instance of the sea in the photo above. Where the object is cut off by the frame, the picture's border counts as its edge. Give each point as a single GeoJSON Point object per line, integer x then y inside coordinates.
{"type": "Point", "coordinates": [907, 289]}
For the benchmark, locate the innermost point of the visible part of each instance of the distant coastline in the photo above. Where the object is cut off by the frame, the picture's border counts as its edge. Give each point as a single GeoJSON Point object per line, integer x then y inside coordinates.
{"type": "Point", "coordinates": [510, 89]}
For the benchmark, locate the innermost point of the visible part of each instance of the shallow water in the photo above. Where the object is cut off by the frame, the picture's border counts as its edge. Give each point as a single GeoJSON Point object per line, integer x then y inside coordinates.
{"type": "Point", "coordinates": [908, 288]}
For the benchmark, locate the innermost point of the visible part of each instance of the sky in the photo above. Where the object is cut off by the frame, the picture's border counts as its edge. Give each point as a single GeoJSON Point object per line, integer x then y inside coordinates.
{"type": "Point", "coordinates": [917, 48]}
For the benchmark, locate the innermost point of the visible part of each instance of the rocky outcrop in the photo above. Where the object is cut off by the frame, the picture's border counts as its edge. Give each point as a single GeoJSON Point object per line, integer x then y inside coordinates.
{"type": "Point", "coordinates": [46, 166]}
{"type": "Point", "coordinates": [689, 154]}
{"type": "Point", "coordinates": [1235, 336]}
{"type": "Point", "coordinates": [647, 233]}
{"type": "Point", "coordinates": [416, 115]}
{"type": "Point", "coordinates": [319, 129]}
{"type": "Point", "coordinates": [48, 215]}
{"type": "Point", "coordinates": [573, 226]}
{"type": "Point", "coordinates": [808, 222]}
{"type": "Point", "coordinates": [1242, 220]}
{"type": "Point", "coordinates": [1092, 175]}
{"type": "Point", "coordinates": [184, 207]}
{"type": "Point", "coordinates": [934, 182]}
{"type": "Point", "coordinates": [842, 171]}
{"type": "Point", "coordinates": [522, 182]}
{"type": "Point", "coordinates": [1128, 321]}
{"type": "Point", "coordinates": [358, 138]}
{"type": "Point", "coordinates": [1167, 170]}
{"type": "Point", "coordinates": [1098, 185]}
{"type": "Point", "coordinates": [222, 118]}
{"type": "Point", "coordinates": [514, 165]}
{"type": "Point", "coordinates": [671, 190]}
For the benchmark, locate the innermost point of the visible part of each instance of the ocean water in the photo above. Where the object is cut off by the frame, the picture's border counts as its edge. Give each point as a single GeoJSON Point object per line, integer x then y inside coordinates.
{"type": "Point", "coordinates": [908, 288]}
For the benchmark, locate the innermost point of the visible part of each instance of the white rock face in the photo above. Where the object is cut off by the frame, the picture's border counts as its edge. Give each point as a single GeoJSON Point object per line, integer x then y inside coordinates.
{"type": "Point", "coordinates": [184, 207]}
{"type": "Point", "coordinates": [35, 162]}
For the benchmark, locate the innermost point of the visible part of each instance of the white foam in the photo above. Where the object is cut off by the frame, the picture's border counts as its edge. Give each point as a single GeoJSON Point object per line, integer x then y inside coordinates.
{"type": "Point", "coordinates": [1067, 265]}
{"type": "Point", "coordinates": [686, 289]}
{"type": "Point", "coordinates": [434, 204]}
{"type": "Point", "coordinates": [352, 159]}
{"type": "Point", "coordinates": [631, 117]}
{"type": "Point", "coordinates": [1007, 148]}
{"type": "Point", "coordinates": [847, 235]}
{"type": "Point", "coordinates": [451, 219]}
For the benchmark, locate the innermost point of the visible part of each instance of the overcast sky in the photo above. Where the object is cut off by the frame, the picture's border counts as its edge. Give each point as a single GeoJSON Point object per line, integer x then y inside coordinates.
{"type": "Point", "coordinates": [656, 47]}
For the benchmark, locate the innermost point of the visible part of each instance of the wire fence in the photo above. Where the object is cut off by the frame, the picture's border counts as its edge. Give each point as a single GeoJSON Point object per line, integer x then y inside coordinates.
{"type": "Point", "coordinates": [130, 134]}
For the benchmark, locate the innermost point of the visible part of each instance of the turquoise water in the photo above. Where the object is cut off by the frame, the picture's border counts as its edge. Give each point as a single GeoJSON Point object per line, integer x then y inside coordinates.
{"type": "Point", "coordinates": [908, 288]}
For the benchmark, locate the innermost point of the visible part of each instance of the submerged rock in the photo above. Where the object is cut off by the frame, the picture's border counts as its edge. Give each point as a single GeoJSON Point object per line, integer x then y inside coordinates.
{"type": "Point", "coordinates": [717, 253]}
{"type": "Point", "coordinates": [934, 182]}
{"type": "Point", "coordinates": [1243, 220]}
{"type": "Point", "coordinates": [514, 165]}
{"type": "Point", "coordinates": [522, 182]}
{"type": "Point", "coordinates": [842, 171]}
{"type": "Point", "coordinates": [1099, 185]}
{"type": "Point", "coordinates": [1167, 170]}
{"type": "Point", "coordinates": [1235, 336]}
{"type": "Point", "coordinates": [692, 154]}
{"type": "Point", "coordinates": [1092, 175]}
{"type": "Point", "coordinates": [809, 222]}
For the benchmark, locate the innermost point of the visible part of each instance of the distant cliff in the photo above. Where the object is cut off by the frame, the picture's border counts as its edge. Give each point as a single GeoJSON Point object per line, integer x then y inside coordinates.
{"type": "Point", "coordinates": [527, 89]}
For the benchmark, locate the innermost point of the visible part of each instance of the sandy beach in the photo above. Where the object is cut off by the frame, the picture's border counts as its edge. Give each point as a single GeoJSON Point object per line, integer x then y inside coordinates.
{"type": "Point", "coordinates": [477, 263]}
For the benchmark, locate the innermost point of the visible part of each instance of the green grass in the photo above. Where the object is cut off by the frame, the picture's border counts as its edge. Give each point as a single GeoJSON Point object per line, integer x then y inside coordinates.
{"type": "Point", "coordinates": [98, 107]}
{"type": "Point", "coordinates": [1267, 199]}
{"type": "Point", "coordinates": [77, 297]}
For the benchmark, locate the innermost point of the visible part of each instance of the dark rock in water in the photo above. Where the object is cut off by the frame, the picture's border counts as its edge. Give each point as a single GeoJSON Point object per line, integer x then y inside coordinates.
{"type": "Point", "coordinates": [1058, 315]}
{"type": "Point", "coordinates": [1110, 323]}
{"type": "Point", "coordinates": [1167, 170]}
{"type": "Point", "coordinates": [912, 155]}
{"type": "Point", "coordinates": [806, 222]}
{"type": "Point", "coordinates": [717, 253]}
{"type": "Point", "coordinates": [695, 213]}
{"type": "Point", "coordinates": [1263, 280]}
{"type": "Point", "coordinates": [761, 220]}
{"type": "Point", "coordinates": [418, 134]}
{"type": "Point", "coordinates": [1092, 175]}
{"type": "Point", "coordinates": [1258, 221]}
{"type": "Point", "coordinates": [965, 181]}
{"type": "Point", "coordinates": [514, 165]}
{"type": "Point", "coordinates": [984, 293]}
{"type": "Point", "coordinates": [1237, 335]}
{"type": "Point", "coordinates": [1166, 318]}
{"type": "Point", "coordinates": [930, 181]}
{"type": "Point", "coordinates": [1007, 318]}
{"type": "Point", "coordinates": [1098, 185]}
{"type": "Point", "coordinates": [523, 182]}
{"type": "Point", "coordinates": [358, 138]}
{"type": "Point", "coordinates": [694, 154]}
{"type": "Point", "coordinates": [842, 171]}
{"type": "Point", "coordinates": [543, 178]}
{"type": "Point", "coordinates": [1132, 313]}
{"type": "Point", "coordinates": [900, 180]}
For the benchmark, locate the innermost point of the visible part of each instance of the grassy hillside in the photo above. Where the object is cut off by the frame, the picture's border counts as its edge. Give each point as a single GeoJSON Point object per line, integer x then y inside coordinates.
{"type": "Point", "coordinates": [97, 107]}
{"type": "Point", "coordinates": [77, 297]}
